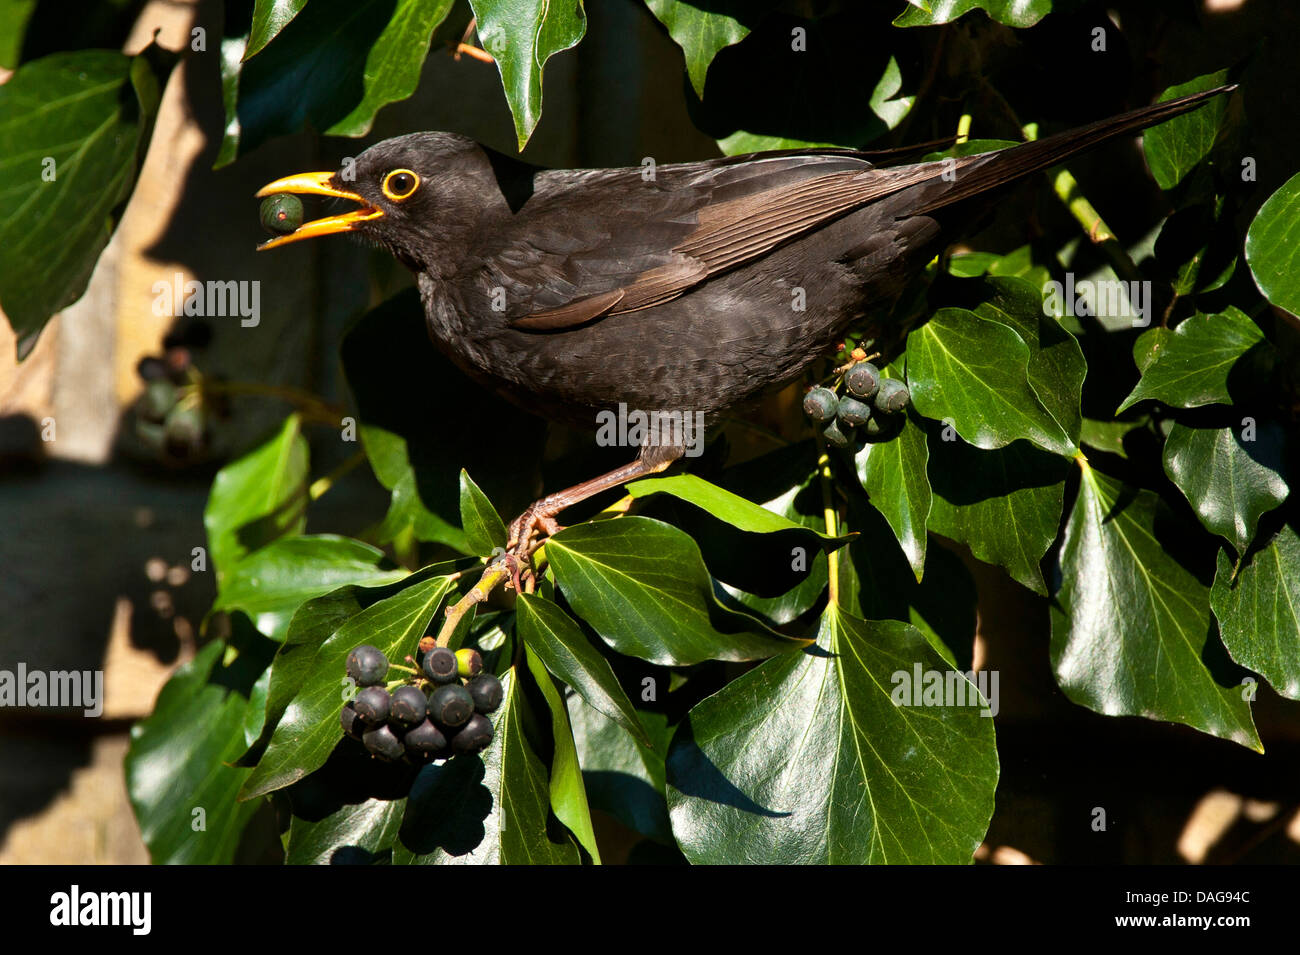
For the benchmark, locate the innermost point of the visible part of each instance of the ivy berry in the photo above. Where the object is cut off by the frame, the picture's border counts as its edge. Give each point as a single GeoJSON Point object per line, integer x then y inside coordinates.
{"type": "Point", "coordinates": [373, 705]}
{"type": "Point", "coordinates": [474, 736]}
{"type": "Point", "coordinates": [469, 663]}
{"type": "Point", "coordinates": [862, 380]}
{"type": "Point", "coordinates": [383, 742]}
{"type": "Point", "coordinates": [486, 692]}
{"type": "Point", "coordinates": [852, 412]}
{"type": "Point", "coordinates": [451, 705]}
{"type": "Point", "coordinates": [281, 213]}
{"type": "Point", "coordinates": [409, 705]}
{"type": "Point", "coordinates": [835, 435]}
{"type": "Point", "coordinates": [367, 665]}
{"type": "Point", "coordinates": [441, 666]}
{"type": "Point", "coordinates": [820, 405]}
{"type": "Point", "coordinates": [425, 741]}
{"type": "Point", "coordinates": [893, 396]}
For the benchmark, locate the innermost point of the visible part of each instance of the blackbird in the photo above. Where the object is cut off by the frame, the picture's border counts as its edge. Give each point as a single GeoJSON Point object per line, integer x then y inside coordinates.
{"type": "Point", "coordinates": [690, 287]}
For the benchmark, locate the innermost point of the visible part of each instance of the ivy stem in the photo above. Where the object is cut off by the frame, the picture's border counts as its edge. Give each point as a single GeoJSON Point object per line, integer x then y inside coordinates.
{"type": "Point", "coordinates": [1085, 213]}
{"type": "Point", "coordinates": [494, 575]}
{"type": "Point", "coordinates": [322, 484]}
{"type": "Point", "coordinates": [464, 46]}
{"type": "Point", "coordinates": [311, 405]}
{"type": "Point", "coordinates": [1068, 191]}
{"type": "Point", "coordinates": [1099, 233]}
{"type": "Point", "coordinates": [828, 511]}
{"type": "Point", "coordinates": [398, 666]}
{"type": "Point", "coordinates": [483, 56]}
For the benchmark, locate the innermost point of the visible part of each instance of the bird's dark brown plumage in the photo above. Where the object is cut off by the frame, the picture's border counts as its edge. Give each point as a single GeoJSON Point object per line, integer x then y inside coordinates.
{"type": "Point", "coordinates": [573, 291]}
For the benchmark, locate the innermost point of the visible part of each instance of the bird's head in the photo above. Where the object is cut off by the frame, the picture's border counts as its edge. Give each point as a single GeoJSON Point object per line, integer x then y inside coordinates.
{"type": "Point", "coordinates": [411, 193]}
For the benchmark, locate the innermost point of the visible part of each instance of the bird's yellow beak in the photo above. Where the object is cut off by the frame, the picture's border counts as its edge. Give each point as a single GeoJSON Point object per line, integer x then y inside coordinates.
{"type": "Point", "coordinates": [317, 184]}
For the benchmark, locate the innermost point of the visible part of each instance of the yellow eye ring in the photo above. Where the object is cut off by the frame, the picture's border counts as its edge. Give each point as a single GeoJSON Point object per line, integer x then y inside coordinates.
{"type": "Point", "coordinates": [400, 184]}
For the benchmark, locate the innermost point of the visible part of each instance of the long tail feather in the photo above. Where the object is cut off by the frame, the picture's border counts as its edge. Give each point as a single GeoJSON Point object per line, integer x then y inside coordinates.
{"type": "Point", "coordinates": [978, 174]}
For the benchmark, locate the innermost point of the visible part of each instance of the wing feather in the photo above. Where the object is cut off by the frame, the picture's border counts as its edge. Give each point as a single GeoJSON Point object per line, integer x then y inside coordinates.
{"type": "Point", "coordinates": [665, 238]}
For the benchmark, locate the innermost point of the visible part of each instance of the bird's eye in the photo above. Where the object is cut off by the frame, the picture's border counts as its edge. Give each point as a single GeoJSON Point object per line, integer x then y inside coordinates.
{"type": "Point", "coordinates": [399, 184]}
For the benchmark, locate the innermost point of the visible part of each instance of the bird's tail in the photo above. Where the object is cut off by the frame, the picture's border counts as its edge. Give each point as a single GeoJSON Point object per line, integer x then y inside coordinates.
{"type": "Point", "coordinates": [973, 175]}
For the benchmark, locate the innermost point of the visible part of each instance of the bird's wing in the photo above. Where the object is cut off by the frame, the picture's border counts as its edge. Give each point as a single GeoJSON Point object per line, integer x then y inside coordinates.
{"type": "Point", "coordinates": [606, 242]}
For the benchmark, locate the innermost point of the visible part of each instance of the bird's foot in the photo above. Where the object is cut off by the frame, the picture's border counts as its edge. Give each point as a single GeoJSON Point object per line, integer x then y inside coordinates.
{"type": "Point", "coordinates": [517, 569]}
{"type": "Point", "coordinates": [532, 521]}
{"type": "Point", "coordinates": [525, 534]}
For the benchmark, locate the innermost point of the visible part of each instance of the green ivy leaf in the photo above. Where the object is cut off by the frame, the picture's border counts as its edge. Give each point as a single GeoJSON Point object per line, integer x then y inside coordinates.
{"type": "Point", "coordinates": [1271, 251]}
{"type": "Point", "coordinates": [1005, 505]}
{"type": "Point", "coordinates": [333, 66]}
{"type": "Point", "coordinates": [312, 625]}
{"type": "Point", "coordinates": [643, 587]}
{"type": "Point", "coordinates": [484, 529]}
{"type": "Point", "coordinates": [775, 560]}
{"type": "Point", "coordinates": [522, 35]}
{"type": "Point", "coordinates": [1014, 13]}
{"type": "Point", "coordinates": [1191, 366]}
{"type": "Point", "coordinates": [179, 761]}
{"type": "Point", "coordinates": [1131, 625]}
{"type": "Point", "coordinates": [1107, 435]}
{"type": "Point", "coordinates": [255, 712]}
{"type": "Point", "coordinates": [258, 498]}
{"type": "Point", "coordinates": [1228, 480]}
{"type": "Point", "coordinates": [877, 583]}
{"type": "Point", "coordinates": [1056, 368]}
{"type": "Point", "coordinates": [488, 809]}
{"type": "Point", "coordinates": [885, 101]}
{"type": "Point", "coordinates": [893, 475]}
{"type": "Point", "coordinates": [1259, 612]}
{"type": "Point", "coordinates": [623, 777]}
{"type": "Point", "coordinates": [742, 143]}
{"type": "Point", "coordinates": [550, 633]}
{"type": "Point", "coordinates": [731, 508]}
{"type": "Point", "coordinates": [568, 793]}
{"type": "Point", "coordinates": [1148, 346]}
{"type": "Point", "coordinates": [785, 482]}
{"type": "Point", "coordinates": [271, 583]}
{"type": "Point", "coordinates": [269, 18]}
{"type": "Point", "coordinates": [1175, 147]}
{"type": "Point", "coordinates": [701, 29]}
{"type": "Point", "coordinates": [1018, 263]}
{"type": "Point", "coordinates": [407, 512]}
{"type": "Point", "coordinates": [1193, 251]}
{"type": "Point", "coordinates": [807, 759]}
{"type": "Point", "coordinates": [14, 15]}
{"type": "Point", "coordinates": [90, 113]}
{"type": "Point", "coordinates": [973, 147]}
{"type": "Point", "coordinates": [973, 373]}
{"type": "Point", "coordinates": [969, 265]}
{"type": "Point", "coordinates": [1021, 263]}
{"type": "Point", "coordinates": [355, 833]}
{"type": "Point", "coordinates": [309, 730]}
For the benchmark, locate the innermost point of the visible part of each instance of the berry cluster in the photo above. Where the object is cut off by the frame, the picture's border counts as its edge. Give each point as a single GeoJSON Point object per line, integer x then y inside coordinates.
{"type": "Point", "coordinates": [281, 213]}
{"type": "Point", "coordinates": [435, 715]}
{"type": "Point", "coordinates": [869, 408]}
{"type": "Point", "coordinates": [168, 425]}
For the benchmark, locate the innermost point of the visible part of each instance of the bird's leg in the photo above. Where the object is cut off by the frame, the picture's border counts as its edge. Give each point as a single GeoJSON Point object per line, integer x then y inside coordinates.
{"type": "Point", "coordinates": [540, 515]}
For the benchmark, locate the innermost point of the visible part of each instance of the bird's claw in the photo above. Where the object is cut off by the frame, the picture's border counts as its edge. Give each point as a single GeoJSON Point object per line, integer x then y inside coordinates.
{"type": "Point", "coordinates": [520, 544]}
{"type": "Point", "coordinates": [512, 566]}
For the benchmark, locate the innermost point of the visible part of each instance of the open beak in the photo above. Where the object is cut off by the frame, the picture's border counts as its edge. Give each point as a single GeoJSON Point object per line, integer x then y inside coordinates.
{"type": "Point", "coordinates": [317, 184]}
